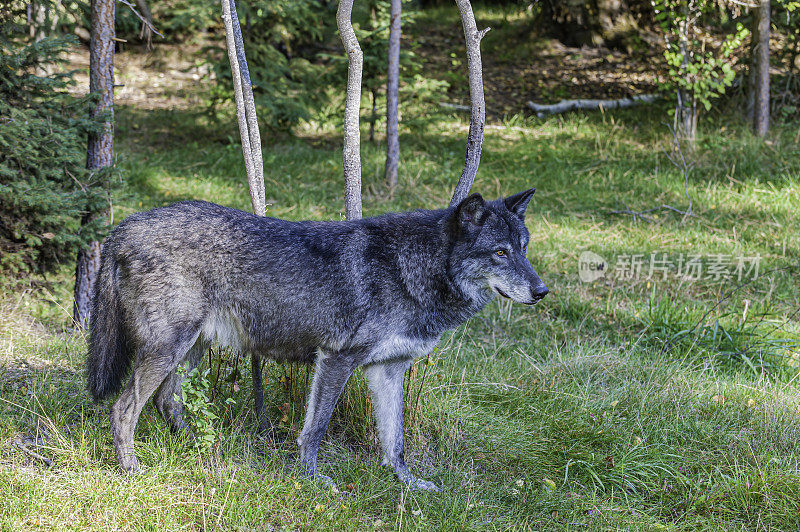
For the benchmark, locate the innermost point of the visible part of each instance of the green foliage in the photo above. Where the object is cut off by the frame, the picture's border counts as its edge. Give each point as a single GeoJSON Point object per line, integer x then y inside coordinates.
{"type": "Point", "coordinates": [182, 19]}
{"type": "Point", "coordinates": [283, 40]}
{"type": "Point", "coordinates": [705, 75]}
{"type": "Point", "coordinates": [752, 340]}
{"type": "Point", "coordinates": [45, 187]}
{"type": "Point", "coordinates": [198, 410]}
{"type": "Point", "coordinates": [696, 68]}
{"type": "Point", "coordinates": [295, 73]}
{"type": "Point", "coordinates": [371, 21]}
{"type": "Point", "coordinates": [786, 85]}
{"type": "Point", "coordinates": [177, 20]}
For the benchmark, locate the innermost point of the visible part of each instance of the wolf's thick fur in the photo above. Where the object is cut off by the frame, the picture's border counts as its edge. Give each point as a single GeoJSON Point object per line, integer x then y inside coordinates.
{"type": "Point", "coordinates": [375, 293]}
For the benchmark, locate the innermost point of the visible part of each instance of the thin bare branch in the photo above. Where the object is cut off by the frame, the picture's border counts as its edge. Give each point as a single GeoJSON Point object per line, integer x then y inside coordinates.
{"type": "Point", "coordinates": [455, 106]}
{"type": "Point", "coordinates": [146, 34]}
{"type": "Point", "coordinates": [141, 18]}
{"type": "Point", "coordinates": [477, 119]}
{"type": "Point", "coordinates": [642, 215]}
{"type": "Point", "coordinates": [679, 161]}
{"type": "Point", "coordinates": [351, 152]}
{"type": "Point", "coordinates": [24, 448]}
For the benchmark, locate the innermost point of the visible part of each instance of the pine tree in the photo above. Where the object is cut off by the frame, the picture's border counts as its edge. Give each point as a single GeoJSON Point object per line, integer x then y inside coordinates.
{"type": "Point", "coordinates": [44, 185]}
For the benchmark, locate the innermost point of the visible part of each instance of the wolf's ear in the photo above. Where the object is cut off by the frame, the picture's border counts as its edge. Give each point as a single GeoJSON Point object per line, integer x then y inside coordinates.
{"type": "Point", "coordinates": [471, 210]}
{"type": "Point", "coordinates": [518, 203]}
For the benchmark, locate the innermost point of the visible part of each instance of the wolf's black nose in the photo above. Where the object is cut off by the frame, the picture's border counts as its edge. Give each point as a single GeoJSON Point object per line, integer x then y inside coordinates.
{"type": "Point", "coordinates": [539, 292]}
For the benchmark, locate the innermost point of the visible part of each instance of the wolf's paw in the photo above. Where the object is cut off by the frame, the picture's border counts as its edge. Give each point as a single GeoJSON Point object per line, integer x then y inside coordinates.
{"type": "Point", "coordinates": [406, 477]}
{"type": "Point", "coordinates": [129, 464]}
{"type": "Point", "coordinates": [326, 481]}
{"type": "Point", "coordinates": [426, 485]}
{"type": "Point", "coordinates": [134, 470]}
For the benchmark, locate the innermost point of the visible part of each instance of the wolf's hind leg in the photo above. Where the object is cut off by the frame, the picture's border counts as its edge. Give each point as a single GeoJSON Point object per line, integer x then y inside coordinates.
{"type": "Point", "coordinates": [149, 372]}
{"type": "Point", "coordinates": [330, 376]}
{"type": "Point", "coordinates": [164, 398]}
{"type": "Point", "coordinates": [386, 382]}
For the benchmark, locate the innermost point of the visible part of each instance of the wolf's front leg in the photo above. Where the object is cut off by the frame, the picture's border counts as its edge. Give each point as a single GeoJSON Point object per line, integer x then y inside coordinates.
{"type": "Point", "coordinates": [330, 376]}
{"type": "Point", "coordinates": [386, 382]}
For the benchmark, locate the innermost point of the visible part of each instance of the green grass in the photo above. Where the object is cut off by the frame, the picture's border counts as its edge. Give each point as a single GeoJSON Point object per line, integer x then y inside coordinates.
{"type": "Point", "coordinates": [642, 404]}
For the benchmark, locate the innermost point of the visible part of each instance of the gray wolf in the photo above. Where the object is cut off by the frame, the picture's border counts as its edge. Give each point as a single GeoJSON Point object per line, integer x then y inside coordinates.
{"type": "Point", "coordinates": [371, 293]}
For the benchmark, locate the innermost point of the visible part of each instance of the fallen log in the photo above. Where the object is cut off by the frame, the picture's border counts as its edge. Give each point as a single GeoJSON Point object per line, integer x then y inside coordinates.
{"type": "Point", "coordinates": [573, 105]}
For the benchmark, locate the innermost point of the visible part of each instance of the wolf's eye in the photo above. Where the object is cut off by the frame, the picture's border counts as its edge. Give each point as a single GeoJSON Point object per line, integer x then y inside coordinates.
{"type": "Point", "coordinates": [500, 253]}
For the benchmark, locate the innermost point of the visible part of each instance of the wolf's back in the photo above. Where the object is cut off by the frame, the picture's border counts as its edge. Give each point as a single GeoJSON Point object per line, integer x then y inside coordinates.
{"type": "Point", "coordinates": [109, 352]}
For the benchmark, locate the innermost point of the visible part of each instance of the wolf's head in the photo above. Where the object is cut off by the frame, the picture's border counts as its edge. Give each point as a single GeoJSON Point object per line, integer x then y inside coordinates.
{"type": "Point", "coordinates": [489, 245]}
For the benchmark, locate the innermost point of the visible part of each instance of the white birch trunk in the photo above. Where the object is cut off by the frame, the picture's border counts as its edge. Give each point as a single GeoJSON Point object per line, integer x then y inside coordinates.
{"type": "Point", "coordinates": [245, 108]}
{"type": "Point", "coordinates": [251, 150]}
{"type": "Point", "coordinates": [351, 152]}
{"type": "Point", "coordinates": [392, 89]}
{"type": "Point", "coordinates": [761, 52]}
{"type": "Point", "coordinates": [477, 118]}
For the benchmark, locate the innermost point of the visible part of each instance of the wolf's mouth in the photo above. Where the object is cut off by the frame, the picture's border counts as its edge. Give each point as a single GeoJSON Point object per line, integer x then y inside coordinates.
{"type": "Point", "coordinates": [501, 292]}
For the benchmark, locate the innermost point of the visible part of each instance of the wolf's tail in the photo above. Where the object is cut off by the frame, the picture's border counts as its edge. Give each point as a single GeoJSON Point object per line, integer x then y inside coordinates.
{"type": "Point", "coordinates": [110, 353]}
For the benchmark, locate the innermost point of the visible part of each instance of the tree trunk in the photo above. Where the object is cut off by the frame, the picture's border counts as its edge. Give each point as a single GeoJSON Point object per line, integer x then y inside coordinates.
{"type": "Point", "coordinates": [245, 108]}
{"type": "Point", "coordinates": [54, 16]}
{"type": "Point", "coordinates": [750, 89]}
{"type": "Point", "coordinates": [761, 63]}
{"type": "Point", "coordinates": [477, 118]}
{"type": "Point", "coordinates": [374, 116]}
{"type": "Point", "coordinates": [37, 19]}
{"type": "Point", "coordinates": [88, 264]}
{"type": "Point", "coordinates": [101, 146]}
{"type": "Point", "coordinates": [685, 125]}
{"type": "Point", "coordinates": [351, 152]}
{"type": "Point", "coordinates": [392, 89]}
{"type": "Point", "coordinates": [42, 18]}
{"type": "Point", "coordinates": [686, 118]}
{"type": "Point", "coordinates": [251, 151]}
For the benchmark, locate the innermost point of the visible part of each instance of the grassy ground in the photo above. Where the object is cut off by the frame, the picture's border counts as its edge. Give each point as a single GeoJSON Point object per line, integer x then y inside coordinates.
{"type": "Point", "coordinates": [627, 403]}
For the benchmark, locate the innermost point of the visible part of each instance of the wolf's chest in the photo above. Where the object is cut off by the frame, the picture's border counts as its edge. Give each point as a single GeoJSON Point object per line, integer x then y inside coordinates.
{"type": "Point", "coordinates": [400, 346]}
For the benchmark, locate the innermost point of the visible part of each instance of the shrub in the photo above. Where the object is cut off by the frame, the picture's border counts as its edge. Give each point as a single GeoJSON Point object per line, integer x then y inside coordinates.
{"type": "Point", "coordinates": [200, 413]}
{"type": "Point", "coordinates": [45, 187]}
